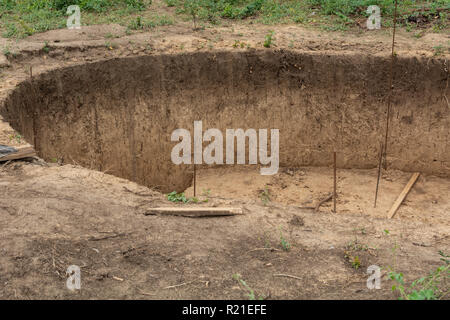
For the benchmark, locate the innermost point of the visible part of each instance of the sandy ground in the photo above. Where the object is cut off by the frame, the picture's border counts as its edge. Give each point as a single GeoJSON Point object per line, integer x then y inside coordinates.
{"type": "Point", "coordinates": [53, 216]}
{"type": "Point", "coordinates": [428, 201]}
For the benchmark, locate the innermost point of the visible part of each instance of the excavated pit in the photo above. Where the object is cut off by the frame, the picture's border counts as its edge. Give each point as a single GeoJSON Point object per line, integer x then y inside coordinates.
{"type": "Point", "coordinates": [118, 115]}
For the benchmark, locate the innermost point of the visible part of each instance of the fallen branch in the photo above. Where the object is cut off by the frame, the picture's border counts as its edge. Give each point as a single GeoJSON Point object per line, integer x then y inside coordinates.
{"type": "Point", "coordinates": [117, 278]}
{"type": "Point", "coordinates": [287, 276]}
{"type": "Point", "coordinates": [194, 212]}
{"type": "Point", "coordinates": [271, 249]}
{"type": "Point", "coordinates": [145, 293]}
{"type": "Point", "coordinates": [421, 244]}
{"type": "Point", "coordinates": [321, 202]}
{"type": "Point", "coordinates": [107, 237]}
{"type": "Point", "coordinates": [329, 197]}
{"type": "Point", "coordinates": [181, 284]}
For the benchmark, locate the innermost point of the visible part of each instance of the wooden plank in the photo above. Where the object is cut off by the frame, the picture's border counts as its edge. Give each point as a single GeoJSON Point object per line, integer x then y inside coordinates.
{"type": "Point", "coordinates": [194, 212]}
{"type": "Point", "coordinates": [403, 194]}
{"type": "Point", "coordinates": [20, 154]}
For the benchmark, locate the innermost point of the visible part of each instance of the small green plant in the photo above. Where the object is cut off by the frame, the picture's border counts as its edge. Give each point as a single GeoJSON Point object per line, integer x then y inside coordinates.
{"type": "Point", "coordinates": [353, 260]}
{"type": "Point", "coordinates": [285, 245]}
{"type": "Point", "coordinates": [109, 35]}
{"type": "Point", "coordinates": [137, 4]}
{"type": "Point", "coordinates": [46, 48]}
{"type": "Point", "coordinates": [192, 7]}
{"type": "Point", "coordinates": [434, 286]}
{"type": "Point", "coordinates": [206, 193]}
{"type": "Point", "coordinates": [265, 195]}
{"type": "Point", "coordinates": [171, 3]}
{"type": "Point", "coordinates": [268, 39]}
{"type": "Point", "coordinates": [444, 257]}
{"type": "Point", "coordinates": [193, 199]}
{"type": "Point", "coordinates": [419, 34]}
{"type": "Point", "coordinates": [110, 45]}
{"type": "Point", "coordinates": [355, 245]}
{"type": "Point", "coordinates": [438, 50]}
{"type": "Point", "coordinates": [16, 137]}
{"type": "Point", "coordinates": [251, 293]}
{"type": "Point", "coordinates": [6, 51]}
{"type": "Point", "coordinates": [180, 197]}
{"type": "Point", "coordinates": [349, 253]}
{"type": "Point", "coordinates": [356, 263]}
{"type": "Point", "coordinates": [177, 197]}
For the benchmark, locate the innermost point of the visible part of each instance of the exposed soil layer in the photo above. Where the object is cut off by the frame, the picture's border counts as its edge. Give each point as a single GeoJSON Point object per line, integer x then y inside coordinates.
{"type": "Point", "coordinates": [118, 115]}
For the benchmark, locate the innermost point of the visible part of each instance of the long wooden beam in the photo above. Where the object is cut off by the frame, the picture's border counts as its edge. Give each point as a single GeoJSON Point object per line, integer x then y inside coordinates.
{"type": "Point", "coordinates": [20, 154]}
{"type": "Point", "coordinates": [403, 194]}
{"type": "Point", "coordinates": [194, 212]}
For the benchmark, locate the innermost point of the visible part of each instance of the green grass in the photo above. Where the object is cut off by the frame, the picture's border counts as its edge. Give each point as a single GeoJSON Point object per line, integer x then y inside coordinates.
{"type": "Point", "coordinates": [330, 14]}
{"type": "Point", "coordinates": [140, 23]}
{"type": "Point", "coordinates": [21, 18]}
{"type": "Point", "coordinates": [25, 17]}
{"type": "Point", "coordinates": [433, 286]}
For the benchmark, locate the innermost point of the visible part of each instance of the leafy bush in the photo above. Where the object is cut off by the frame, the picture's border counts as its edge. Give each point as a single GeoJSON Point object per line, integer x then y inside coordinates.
{"type": "Point", "coordinates": [26, 17]}
{"type": "Point", "coordinates": [434, 286]}
{"type": "Point", "coordinates": [62, 5]}
{"type": "Point", "coordinates": [180, 197]}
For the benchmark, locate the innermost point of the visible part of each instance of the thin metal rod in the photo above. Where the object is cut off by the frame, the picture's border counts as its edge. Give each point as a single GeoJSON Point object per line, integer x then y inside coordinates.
{"type": "Point", "coordinates": [35, 141]}
{"type": "Point", "coordinates": [391, 80]}
{"type": "Point", "coordinates": [195, 178]}
{"type": "Point", "coordinates": [334, 189]}
{"type": "Point", "coordinates": [379, 174]}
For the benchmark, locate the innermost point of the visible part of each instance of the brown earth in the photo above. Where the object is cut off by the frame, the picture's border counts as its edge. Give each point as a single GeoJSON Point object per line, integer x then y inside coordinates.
{"type": "Point", "coordinates": [53, 215]}
{"type": "Point", "coordinates": [118, 115]}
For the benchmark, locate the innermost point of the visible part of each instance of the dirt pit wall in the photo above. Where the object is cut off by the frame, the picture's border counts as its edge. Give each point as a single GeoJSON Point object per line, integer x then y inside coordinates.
{"type": "Point", "coordinates": [118, 115]}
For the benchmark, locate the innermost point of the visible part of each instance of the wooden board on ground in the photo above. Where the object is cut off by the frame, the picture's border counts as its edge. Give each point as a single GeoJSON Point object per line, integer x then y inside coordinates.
{"type": "Point", "coordinates": [403, 195]}
{"type": "Point", "coordinates": [195, 212]}
{"type": "Point", "coordinates": [20, 154]}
